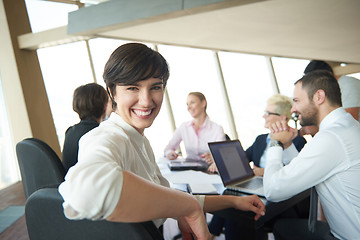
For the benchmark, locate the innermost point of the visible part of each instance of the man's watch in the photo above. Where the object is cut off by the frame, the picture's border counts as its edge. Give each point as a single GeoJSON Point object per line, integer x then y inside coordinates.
{"type": "Point", "coordinates": [276, 143]}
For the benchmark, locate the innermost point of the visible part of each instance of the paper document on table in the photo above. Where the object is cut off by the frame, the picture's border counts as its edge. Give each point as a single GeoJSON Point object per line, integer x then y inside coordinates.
{"type": "Point", "coordinates": [191, 176]}
{"type": "Point", "coordinates": [195, 188]}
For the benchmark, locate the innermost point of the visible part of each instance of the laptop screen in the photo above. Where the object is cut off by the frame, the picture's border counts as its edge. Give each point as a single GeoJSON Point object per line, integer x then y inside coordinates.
{"type": "Point", "coordinates": [231, 161]}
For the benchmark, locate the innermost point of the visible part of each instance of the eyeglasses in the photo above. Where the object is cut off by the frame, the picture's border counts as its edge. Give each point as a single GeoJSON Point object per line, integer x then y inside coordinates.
{"type": "Point", "coordinates": [267, 113]}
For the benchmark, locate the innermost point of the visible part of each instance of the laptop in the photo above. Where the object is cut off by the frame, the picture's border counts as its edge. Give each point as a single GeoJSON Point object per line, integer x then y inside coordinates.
{"type": "Point", "coordinates": [188, 164]}
{"type": "Point", "coordinates": [234, 169]}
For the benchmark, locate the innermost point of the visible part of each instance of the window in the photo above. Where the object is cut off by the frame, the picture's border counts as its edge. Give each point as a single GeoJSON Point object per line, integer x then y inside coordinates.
{"type": "Point", "coordinates": [64, 68]}
{"type": "Point", "coordinates": [287, 72]}
{"type": "Point", "coordinates": [45, 15]}
{"type": "Point", "coordinates": [101, 49]}
{"type": "Point", "coordinates": [193, 70]}
{"type": "Point", "coordinates": [248, 85]}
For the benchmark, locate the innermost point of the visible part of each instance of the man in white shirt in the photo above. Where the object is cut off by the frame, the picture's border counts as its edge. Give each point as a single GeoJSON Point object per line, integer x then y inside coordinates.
{"type": "Point", "coordinates": [330, 161]}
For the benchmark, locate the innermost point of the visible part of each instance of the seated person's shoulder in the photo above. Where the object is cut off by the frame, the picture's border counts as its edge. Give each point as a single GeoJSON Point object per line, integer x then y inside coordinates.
{"type": "Point", "coordinates": [299, 142]}
{"type": "Point", "coordinates": [261, 137]}
{"type": "Point", "coordinates": [105, 136]}
{"type": "Point", "coordinates": [216, 125]}
{"type": "Point", "coordinates": [69, 129]}
{"type": "Point", "coordinates": [299, 139]}
{"type": "Point", "coordinates": [81, 128]}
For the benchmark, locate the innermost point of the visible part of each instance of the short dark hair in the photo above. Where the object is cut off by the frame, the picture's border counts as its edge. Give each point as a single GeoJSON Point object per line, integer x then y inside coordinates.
{"type": "Point", "coordinates": [89, 101]}
{"type": "Point", "coordinates": [322, 79]}
{"type": "Point", "coordinates": [317, 65]}
{"type": "Point", "coordinates": [131, 63]}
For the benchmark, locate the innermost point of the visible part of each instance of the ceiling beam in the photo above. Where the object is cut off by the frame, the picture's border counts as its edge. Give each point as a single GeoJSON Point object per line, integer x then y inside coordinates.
{"type": "Point", "coordinates": [75, 2]}
{"type": "Point", "coordinates": [117, 14]}
{"type": "Point", "coordinates": [48, 38]}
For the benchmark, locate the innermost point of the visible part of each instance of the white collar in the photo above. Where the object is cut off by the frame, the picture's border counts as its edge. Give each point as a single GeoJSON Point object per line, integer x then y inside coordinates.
{"type": "Point", "coordinates": [332, 117]}
{"type": "Point", "coordinates": [128, 129]}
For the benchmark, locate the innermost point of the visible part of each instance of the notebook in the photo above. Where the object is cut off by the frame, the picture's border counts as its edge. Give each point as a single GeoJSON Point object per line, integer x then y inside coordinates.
{"type": "Point", "coordinates": [234, 169]}
{"type": "Point", "coordinates": [188, 164]}
{"type": "Point", "coordinates": [202, 189]}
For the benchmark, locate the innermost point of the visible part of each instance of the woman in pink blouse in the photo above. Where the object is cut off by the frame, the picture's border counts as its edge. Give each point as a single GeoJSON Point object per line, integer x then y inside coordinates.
{"type": "Point", "coordinates": [196, 133]}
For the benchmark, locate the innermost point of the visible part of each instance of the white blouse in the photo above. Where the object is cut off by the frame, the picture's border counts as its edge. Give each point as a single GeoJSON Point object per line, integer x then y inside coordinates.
{"type": "Point", "coordinates": [196, 143]}
{"type": "Point", "coordinates": [93, 186]}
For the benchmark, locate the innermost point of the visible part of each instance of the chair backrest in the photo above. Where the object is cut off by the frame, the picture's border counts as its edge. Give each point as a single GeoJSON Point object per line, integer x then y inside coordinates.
{"type": "Point", "coordinates": [45, 220]}
{"type": "Point", "coordinates": [39, 165]}
{"type": "Point", "coordinates": [227, 138]}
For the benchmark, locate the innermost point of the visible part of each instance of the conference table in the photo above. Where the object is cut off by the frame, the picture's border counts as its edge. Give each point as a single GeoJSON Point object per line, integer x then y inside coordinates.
{"type": "Point", "coordinates": [183, 179]}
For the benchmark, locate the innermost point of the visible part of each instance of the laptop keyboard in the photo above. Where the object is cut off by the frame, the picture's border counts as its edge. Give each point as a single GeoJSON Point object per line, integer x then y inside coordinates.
{"type": "Point", "coordinates": [254, 183]}
{"type": "Point", "coordinates": [233, 192]}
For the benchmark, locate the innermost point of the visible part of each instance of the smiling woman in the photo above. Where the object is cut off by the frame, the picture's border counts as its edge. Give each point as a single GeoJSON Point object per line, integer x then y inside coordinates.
{"type": "Point", "coordinates": [116, 177]}
{"type": "Point", "coordinates": [141, 102]}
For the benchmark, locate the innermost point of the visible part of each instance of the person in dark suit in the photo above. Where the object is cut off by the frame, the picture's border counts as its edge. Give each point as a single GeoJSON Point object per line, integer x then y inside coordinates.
{"type": "Point", "coordinates": [278, 108]}
{"type": "Point", "coordinates": [90, 102]}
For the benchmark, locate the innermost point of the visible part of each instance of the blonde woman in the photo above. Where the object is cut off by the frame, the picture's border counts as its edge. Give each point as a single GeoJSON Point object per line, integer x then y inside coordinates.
{"type": "Point", "coordinates": [196, 133]}
{"type": "Point", "coordinates": [278, 108]}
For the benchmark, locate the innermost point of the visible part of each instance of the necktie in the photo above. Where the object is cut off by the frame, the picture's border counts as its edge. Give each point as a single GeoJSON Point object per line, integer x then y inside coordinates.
{"type": "Point", "coordinates": [313, 210]}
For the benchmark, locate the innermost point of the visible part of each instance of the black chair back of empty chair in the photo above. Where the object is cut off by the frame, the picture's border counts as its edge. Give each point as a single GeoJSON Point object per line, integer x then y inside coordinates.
{"type": "Point", "coordinates": [39, 165]}
{"type": "Point", "coordinates": [45, 220]}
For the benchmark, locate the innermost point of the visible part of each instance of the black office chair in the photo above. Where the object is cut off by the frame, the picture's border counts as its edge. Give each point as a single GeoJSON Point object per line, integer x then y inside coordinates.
{"type": "Point", "coordinates": [39, 165]}
{"type": "Point", "coordinates": [227, 138]}
{"type": "Point", "coordinates": [45, 220]}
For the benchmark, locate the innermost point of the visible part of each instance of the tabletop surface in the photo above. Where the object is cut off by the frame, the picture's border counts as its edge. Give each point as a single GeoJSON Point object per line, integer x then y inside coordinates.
{"type": "Point", "coordinates": [182, 179]}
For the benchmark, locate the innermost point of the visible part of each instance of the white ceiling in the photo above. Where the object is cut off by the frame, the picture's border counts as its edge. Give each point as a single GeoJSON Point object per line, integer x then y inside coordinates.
{"type": "Point", "coordinates": [309, 29]}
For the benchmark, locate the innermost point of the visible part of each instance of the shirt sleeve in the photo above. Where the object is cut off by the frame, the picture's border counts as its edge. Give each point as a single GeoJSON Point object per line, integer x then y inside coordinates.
{"type": "Point", "coordinates": [318, 160]}
{"type": "Point", "coordinates": [93, 186]}
{"type": "Point", "coordinates": [289, 153]}
{"type": "Point", "coordinates": [219, 133]}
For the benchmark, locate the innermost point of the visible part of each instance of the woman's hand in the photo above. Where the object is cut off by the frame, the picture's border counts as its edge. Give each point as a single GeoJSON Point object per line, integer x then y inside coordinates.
{"type": "Point", "coordinates": [250, 203]}
{"type": "Point", "coordinates": [194, 226]}
{"type": "Point", "coordinates": [212, 168]}
{"type": "Point", "coordinates": [172, 155]}
{"type": "Point", "coordinates": [207, 157]}
{"type": "Point", "coordinates": [258, 171]}
{"type": "Point", "coordinates": [246, 203]}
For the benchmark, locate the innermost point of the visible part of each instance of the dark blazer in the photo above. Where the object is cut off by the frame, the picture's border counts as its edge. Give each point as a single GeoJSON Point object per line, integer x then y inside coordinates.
{"type": "Point", "coordinates": [255, 151]}
{"type": "Point", "coordinates": [71, 142]}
